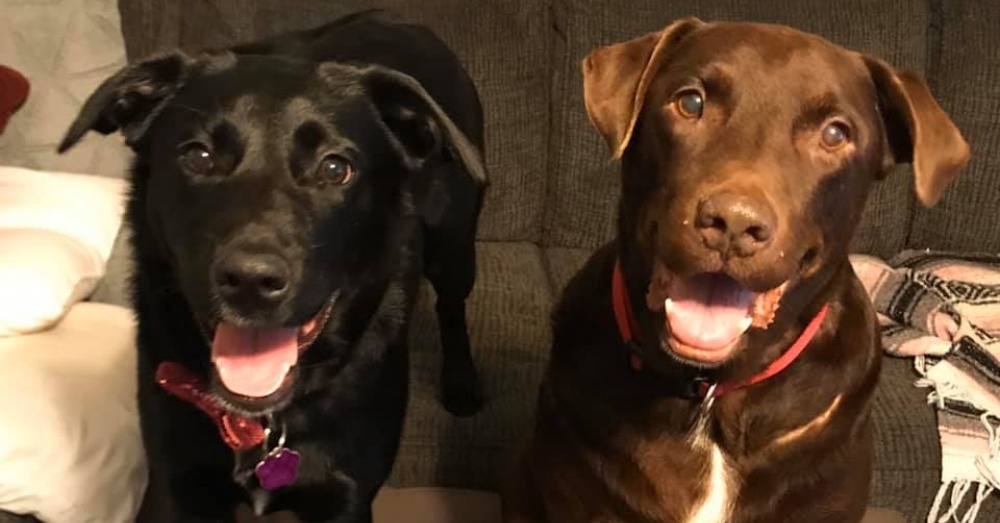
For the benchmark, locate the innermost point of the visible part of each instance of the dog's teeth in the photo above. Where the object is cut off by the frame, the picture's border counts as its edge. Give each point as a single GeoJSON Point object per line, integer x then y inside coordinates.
{"type": "Point", "coordinates": [666, 305]}
{"type": "Point", "coordinates": [745, 323]}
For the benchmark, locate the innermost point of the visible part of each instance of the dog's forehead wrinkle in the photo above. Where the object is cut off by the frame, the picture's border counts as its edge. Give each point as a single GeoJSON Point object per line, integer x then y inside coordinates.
{"type": "Point", "coordinates": [217, 62]}
{"type": "Point", "coordinates": [298, 108]}
{"type": "Point", "coordinates": [246, 106]}
{"type": "Point", "coordinates": [760, 57]}
{"type": "Point", "coordinates": [257, 121]}
{"type": "Point", "coordinates": [340, 77]}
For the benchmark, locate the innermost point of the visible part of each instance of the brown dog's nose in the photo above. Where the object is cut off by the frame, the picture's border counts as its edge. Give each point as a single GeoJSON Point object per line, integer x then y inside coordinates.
{"type": "Point", "coordinates": [734, 223]}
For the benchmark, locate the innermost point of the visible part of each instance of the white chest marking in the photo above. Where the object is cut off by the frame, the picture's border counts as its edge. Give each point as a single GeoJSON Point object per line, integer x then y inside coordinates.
{"type": "Point", "coordinates": [714, 507]}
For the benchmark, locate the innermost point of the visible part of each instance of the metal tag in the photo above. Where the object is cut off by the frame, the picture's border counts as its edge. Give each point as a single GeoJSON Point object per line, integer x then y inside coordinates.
{"type": "Point", "coordinates": [280, 466]}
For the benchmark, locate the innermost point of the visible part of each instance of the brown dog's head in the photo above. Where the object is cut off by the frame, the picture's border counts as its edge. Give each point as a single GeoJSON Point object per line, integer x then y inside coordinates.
{"type": "Point", "coordinates": [748, 151]}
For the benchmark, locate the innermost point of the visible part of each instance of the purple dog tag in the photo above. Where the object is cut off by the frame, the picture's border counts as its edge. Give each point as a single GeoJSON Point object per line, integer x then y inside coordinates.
{"type": "Point", "coordinates": [278, 469]}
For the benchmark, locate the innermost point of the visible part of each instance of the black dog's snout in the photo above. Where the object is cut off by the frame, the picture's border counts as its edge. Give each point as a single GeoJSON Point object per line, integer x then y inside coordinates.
{"type": "Point", "coordinates": [734, 223]}
{"type": "Point", "coordinates": [247, 280]}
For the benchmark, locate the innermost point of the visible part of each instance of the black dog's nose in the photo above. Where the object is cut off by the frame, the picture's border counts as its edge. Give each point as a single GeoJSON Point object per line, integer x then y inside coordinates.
{"type": "Point", "coordinates": [249, 280]}
{"type": "Point", "coordinates": [731, 222]}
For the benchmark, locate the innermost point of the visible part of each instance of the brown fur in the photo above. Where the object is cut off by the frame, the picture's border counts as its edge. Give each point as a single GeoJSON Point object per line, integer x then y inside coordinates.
{"type": "Point", "coordinates": [611, 444]}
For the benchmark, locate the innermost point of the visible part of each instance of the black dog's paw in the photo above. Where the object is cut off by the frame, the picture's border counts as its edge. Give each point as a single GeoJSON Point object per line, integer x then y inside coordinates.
{"type": "Point", "coordinates": [461, 391]}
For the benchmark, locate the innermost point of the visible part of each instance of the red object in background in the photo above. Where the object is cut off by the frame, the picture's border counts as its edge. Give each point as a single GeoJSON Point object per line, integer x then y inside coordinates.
{"type": "Point", "coordinates": [14, 90]}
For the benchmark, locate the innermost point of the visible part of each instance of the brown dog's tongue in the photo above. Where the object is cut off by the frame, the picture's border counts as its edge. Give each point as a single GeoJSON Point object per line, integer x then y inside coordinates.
{"type": "Point", "coordinates": [708, 311]}
{"type": "Point", "coordinates": [254, 362]}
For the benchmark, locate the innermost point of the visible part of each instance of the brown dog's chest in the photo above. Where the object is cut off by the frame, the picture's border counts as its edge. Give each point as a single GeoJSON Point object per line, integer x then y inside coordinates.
{"type": "Point", "coordinates": [698, 474]}
{"type": "Point", "coordinates": [694, 479]}
{"type": "Point", "coordinates": [653, 464]}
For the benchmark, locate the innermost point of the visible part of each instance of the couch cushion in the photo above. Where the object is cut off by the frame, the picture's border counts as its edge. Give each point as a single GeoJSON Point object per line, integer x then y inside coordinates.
{"type": "Point", "coordinates": [65, 48]}
{"type": "Point", "coordinates": [508, 315]}
{"type": "Point", "coordinates": [501, 43]}
{"type": "Point", "coordinates": [965, 77]}
{"type": "Point", "coordinates": [584, 188]}
{"type": "Point", "coordinates": [412, 505]}
{"type": "Point", "coordinates": [115, 287]}
{"type": "Point", "coordinates": [562, 264]}
{"type": "Point", "coordinates": [907, 450]}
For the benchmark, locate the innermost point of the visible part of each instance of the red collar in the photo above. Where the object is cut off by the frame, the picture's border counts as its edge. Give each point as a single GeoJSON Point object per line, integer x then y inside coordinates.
{"type": "Point", "coordinates": [240, 433]}
{"type": "Point", "coordinates": [627, 327]}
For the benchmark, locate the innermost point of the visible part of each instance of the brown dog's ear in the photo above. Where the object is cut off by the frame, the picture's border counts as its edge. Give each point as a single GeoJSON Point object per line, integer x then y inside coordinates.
{"type": "Point", "coordinates": [918, 130]}
{"type": "Point", "coordinates": [616, 77]}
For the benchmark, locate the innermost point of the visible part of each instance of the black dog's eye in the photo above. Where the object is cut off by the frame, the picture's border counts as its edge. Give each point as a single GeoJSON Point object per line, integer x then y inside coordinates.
{"type": "Point", "coordinates": [195, 158]}
{"type": "Point", "coordinates": [835, 135]}
{"type": "Point", "coordinates": [690, 103]}
{"type": "Point", "coordinates": [335, 169]}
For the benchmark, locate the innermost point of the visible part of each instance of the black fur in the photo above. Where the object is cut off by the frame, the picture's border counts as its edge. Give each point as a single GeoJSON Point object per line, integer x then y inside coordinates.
{"type": "Point", "coordinates": [394, 101]}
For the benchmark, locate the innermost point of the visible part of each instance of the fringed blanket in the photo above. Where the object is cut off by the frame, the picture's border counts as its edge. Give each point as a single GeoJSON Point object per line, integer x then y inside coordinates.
{"type": "Point", "coordinates": [943, 309]}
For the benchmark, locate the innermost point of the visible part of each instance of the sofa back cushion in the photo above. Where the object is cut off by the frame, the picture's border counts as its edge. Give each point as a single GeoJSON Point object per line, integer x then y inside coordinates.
{"type": "Point", "coordinates": [584, 186]}
{"type": "Point", "coordinates": [502, 44]}
{"type": "Point", "coordinates": [965, 77]}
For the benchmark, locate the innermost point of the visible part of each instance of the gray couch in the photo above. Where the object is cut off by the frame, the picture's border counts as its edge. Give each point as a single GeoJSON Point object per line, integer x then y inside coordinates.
{"type": "Point", "coordinates": [554, 191]}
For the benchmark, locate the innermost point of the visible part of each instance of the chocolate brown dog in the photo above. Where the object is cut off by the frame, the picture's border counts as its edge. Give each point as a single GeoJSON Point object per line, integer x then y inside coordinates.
{"type": "Point", "coordinates": [716, 361]}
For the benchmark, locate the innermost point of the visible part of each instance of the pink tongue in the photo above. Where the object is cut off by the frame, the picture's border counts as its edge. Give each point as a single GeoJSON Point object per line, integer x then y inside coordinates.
{"type": "Point", "coordinates": [708, 311]}
{"type": "Point", "coordinates": [254, 362]}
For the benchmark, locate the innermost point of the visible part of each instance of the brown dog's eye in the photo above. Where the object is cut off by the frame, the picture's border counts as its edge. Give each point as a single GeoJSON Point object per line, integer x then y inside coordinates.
{"type": "Point", "coordinates": [690, 104]}
{"type": "Point", "coordinates": [195, 158]}
{"type": "Point", "coordinates": [835, 135]}
{"type": "Point", "coordinates": [335, 169]}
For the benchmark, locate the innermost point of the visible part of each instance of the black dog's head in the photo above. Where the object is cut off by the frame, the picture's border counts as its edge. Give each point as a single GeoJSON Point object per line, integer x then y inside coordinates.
{"type": "Point", "coordinates": [748, 151]}
{"type": "Point", "coordinates": [270, 186]}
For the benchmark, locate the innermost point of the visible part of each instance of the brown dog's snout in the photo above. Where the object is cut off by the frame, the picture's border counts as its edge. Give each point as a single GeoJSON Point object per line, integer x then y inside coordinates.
{"type": "Point", "coordinates": [733, 223]}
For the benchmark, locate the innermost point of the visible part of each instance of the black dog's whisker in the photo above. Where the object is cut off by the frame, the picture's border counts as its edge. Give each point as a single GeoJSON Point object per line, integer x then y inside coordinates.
{"type": "Point", "coordinates": [195, 110]}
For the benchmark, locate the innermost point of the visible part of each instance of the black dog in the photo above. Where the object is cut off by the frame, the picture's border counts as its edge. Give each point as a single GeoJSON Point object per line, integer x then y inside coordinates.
{"type": "Point", "coordinates": [286, 197]}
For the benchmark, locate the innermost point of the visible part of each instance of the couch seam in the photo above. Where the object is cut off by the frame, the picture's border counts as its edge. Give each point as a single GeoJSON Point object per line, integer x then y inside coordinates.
{"type": "Point", "coordinates": [557, 65]}
{"type": "Point", "coordinates": [557, 59]}
{"type": "Point", "coordinates": [933, 50]}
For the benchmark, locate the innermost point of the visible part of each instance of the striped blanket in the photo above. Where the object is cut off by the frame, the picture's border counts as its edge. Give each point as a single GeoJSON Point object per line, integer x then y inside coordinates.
{"type": "Point", "coordinates": [943, 309]}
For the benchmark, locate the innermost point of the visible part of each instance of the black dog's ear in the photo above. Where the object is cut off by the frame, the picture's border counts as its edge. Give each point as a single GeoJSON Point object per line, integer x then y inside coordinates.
{"type": "Point", "coordinates": [418, 124]}
{"type": "Point", "coordinates": [130, 100]}
{"type": "Point", "coordinates": [917, 130]}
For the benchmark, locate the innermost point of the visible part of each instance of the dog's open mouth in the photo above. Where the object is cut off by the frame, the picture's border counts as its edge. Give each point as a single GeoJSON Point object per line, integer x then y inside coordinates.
{"type": "Point", "coordinates": [257, 362]}
{"type": "Point", "coordinates": [707, 314]}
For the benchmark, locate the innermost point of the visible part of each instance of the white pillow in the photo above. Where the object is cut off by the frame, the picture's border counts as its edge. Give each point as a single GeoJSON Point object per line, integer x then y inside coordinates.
{"type": "Point", "coordinates": [70, 443]}
{"type": "Point", "coordinates": [56, 234]}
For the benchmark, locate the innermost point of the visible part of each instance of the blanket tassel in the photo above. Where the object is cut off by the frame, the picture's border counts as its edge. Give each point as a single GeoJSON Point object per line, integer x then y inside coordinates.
{"type": "Point", "coordinates": [959, 489]}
